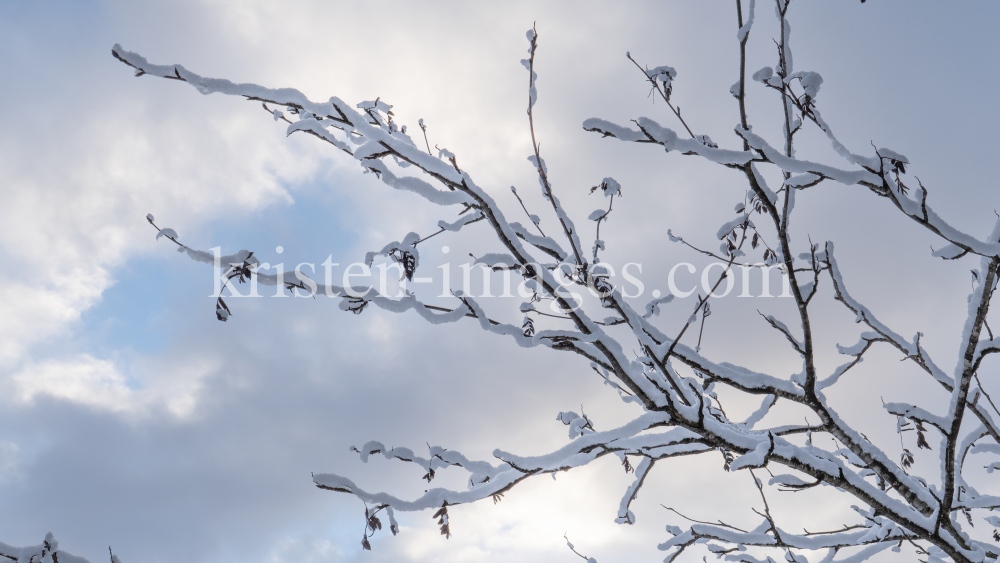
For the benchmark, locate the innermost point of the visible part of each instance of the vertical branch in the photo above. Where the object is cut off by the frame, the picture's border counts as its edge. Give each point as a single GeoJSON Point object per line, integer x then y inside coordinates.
{"type": "Point", "coordinates": [426, 142]}
{"type": "Point", "coordinates": [961, 393]}
{"type": "Point", "coordinates": [597, 235]}
{"type": "Point", "coordinates": [542, 175]}
{"type": "Point", "coordinates": [767, 509]}
{"type": "Point", "coordinates": [743, 37]}
{"type": "Point", "coordinates": [783, 71]}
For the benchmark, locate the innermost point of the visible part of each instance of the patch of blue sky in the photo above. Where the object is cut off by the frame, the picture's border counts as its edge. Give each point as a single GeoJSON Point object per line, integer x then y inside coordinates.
{"type": "Point", "coordinates": [32, 29]}
{"type": "Point", "coordinates": [139, 312]}
{"type": "Point", "coordinates": [306, 230]}
{"type": "Point", "coordinates": [158, 294]}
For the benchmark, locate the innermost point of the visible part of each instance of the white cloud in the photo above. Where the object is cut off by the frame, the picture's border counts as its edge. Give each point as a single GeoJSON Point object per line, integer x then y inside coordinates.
{"type": "Point", "coordinates": [77, 201]}
{"type": "Point", "coordinates": [85, 380]}
{"type": "Point", "coordinates": [101, 385]}
{"type": "Point", "coordinates": [29, 313]}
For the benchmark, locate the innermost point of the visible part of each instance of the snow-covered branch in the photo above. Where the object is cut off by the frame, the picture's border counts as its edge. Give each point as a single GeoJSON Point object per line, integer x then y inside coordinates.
{"type": "Point", "coordinates": [46, 552]}
{"type": "Point", "coordinates": [666, 375]}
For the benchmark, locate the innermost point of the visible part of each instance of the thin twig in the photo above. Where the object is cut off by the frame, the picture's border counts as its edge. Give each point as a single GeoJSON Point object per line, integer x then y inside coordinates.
{"type": "Point", "coordinates": [662, 94]}
{"type": "Point", "coordinates": [519, 200]}
{"type": "Point", "coordinates": [547, 188]}
{"type": "Point", "coordinates": [985, 394]}
{"type": "Point", "coordinates": [719, 523]}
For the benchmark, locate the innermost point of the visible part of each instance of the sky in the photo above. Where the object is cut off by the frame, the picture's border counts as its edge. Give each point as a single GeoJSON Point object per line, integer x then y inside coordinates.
{"type": "Point", "coordinates": [131, 417]}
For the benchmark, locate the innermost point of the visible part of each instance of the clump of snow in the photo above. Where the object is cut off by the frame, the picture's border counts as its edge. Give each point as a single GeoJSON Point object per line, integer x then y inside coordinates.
{"type": "Point", "coordinates": [610, 187]}
{"type": "Point", "coordinates": [663, 74]}
{"type": "Point", "coordinates": [653, 307]}
{"type": "Point", "coordinates": [168, 232]}
{"type": "Point", "coordinates": [707, 141]}
{"type": "Point", "coordinates": [810, 81]}
{"type": "Point", "coordinates": [892, 155]}
{"type": "Point", "coordinates": [763, 74]}
{"type": "Point", "coordinates": [741, 35]}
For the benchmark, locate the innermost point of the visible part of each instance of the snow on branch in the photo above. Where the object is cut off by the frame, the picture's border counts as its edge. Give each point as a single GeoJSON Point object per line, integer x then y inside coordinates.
{"type": "Point", "coordinates": [46, 552]}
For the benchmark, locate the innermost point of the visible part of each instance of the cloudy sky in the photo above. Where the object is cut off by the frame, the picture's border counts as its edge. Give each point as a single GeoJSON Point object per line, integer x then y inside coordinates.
{"type": "Point", "coordinates": [131, 417]}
